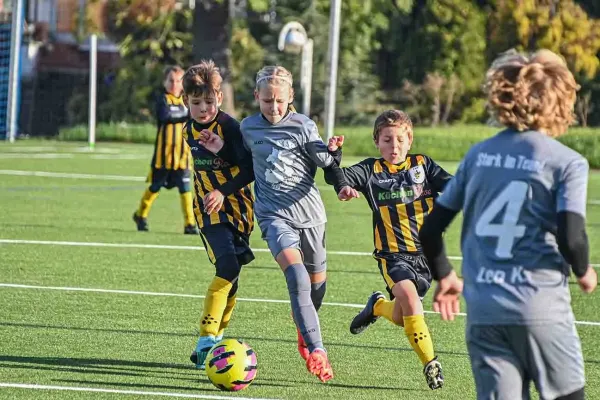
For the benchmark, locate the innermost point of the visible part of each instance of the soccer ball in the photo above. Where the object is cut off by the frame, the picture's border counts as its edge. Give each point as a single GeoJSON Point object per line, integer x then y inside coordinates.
{"type": "Point", "coordinates": [231, 365]}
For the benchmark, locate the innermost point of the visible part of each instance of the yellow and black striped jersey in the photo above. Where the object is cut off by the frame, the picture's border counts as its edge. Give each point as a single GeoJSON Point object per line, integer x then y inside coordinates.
{"type": "Point", "coordinates": [170, 151]}
{"type": "Point", "coordinates": [400, 197]}
{"type": "Point", "coordinates": [230, 171]}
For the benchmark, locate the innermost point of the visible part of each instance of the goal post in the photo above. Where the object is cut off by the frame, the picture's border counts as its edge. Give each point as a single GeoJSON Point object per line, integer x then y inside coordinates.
{"type": "Point", "coordinates": [10, 72]}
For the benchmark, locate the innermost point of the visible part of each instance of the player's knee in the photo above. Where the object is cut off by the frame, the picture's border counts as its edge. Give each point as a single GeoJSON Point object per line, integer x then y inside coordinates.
{"type": "Point", "coordinates": [406, 293]}
{"type": "Point", "coordinates": [318, 277]}
{"type": "Point", "coordinates": [227, 267]}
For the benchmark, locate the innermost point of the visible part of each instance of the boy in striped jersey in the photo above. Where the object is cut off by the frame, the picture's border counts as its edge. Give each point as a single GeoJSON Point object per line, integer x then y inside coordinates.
{"type": "Point", "coordinates": [171, 159]}
{"type": "Point", "coordinates": [400, 189]}
{"type": "Point", "coordinates": [223, 211]}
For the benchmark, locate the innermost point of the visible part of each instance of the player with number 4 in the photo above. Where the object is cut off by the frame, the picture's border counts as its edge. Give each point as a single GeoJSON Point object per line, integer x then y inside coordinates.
{"type": "Point", "coordinates": [523, 197]}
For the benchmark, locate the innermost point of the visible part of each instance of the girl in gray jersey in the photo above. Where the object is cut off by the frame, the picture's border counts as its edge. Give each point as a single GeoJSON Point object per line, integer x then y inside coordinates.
{"type": "Point", "coordinates": [286, 150]}
{"type": "Point", "coordinates": [523, 196]}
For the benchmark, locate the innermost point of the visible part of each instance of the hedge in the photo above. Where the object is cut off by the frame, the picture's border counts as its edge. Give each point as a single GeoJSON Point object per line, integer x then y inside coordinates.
{"type": "Point", "coordinates": [447, 143]}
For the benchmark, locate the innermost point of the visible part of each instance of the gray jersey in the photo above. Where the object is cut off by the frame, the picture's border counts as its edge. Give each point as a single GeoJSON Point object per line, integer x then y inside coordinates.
{"type": "Point", "coordinates": [285, 158]}
{"type": "Point", "coordinates": [510, 189]}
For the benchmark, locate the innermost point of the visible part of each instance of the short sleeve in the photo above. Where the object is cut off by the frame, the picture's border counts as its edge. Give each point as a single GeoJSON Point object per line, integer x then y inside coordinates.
{"type": "Point", "coordinates": [572, 187]}
{"type": "Point", "coordinates": [453, 196]}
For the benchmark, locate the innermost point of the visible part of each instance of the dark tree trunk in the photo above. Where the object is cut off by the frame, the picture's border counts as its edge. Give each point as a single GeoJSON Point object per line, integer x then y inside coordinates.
{"type": "Point", "coordinates": [212, 32]}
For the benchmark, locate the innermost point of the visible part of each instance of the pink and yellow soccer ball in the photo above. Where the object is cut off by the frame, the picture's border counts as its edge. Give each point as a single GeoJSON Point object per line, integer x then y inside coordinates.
{"type": "Point", "coordinates": [231, 365]}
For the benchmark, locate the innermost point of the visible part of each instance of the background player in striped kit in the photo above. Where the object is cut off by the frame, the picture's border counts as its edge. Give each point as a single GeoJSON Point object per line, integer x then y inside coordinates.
{"type": "Point", "coordinates": [171, 163]}
{"type": "Point", "coordinates": [223, 203]}
{"type": "Point", "coordinates": [400, 189]}
{"type": "Point", "coordinates": [523, 197]}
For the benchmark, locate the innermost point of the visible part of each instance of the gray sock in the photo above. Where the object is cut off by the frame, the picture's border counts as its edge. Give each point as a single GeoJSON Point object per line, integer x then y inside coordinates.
{"type": "Point", "coordinates": [317, 293]}
{"type": "Point", "coordinates": [305, 315]}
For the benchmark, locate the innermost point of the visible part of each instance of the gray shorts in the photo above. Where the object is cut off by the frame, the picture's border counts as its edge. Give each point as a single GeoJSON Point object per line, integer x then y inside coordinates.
{"type": "Point", "coordinates": [506, 358]}
{"type": "Point", "coordinates": [280, 235]}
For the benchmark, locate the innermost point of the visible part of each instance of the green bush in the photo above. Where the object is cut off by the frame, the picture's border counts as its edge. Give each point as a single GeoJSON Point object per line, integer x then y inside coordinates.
{"type": "Point", "coordinates": [449, 143]}
{"type": "Point", "coordinates": [440, 143]}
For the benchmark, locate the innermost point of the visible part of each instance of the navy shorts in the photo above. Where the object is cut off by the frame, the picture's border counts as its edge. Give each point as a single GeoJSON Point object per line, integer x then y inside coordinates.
{"type": "Point", "coordinates": [222, 239]}
{"type": "Point", "coordinates": [396, 267]}
{"type": "Point", "coordinates": [170, 178]}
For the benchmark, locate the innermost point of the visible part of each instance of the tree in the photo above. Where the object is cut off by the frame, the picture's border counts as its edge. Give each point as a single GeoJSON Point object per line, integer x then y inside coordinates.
{"type": "Point", "coordinates": [561, 26]}
{"type": "Point", "coordinates": [212, 35]}
{"type": "Point", "coordinates": [432, 40]}
{"type": "Point", "coordinates": [151, 34]}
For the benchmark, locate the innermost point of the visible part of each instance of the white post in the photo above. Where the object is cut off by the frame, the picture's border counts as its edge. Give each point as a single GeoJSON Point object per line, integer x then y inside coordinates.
{"type": "Point", "coordinates": [14, 77]}
{"type": "Point", "coordinates": [93, 65]}
{"type": "Point", "coordinates": [306, 76]}
{"type": "Point", "coordinates": [332, 64]}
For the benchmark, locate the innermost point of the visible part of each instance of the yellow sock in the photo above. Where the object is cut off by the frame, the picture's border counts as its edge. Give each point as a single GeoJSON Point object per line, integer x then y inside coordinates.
{"type": "Point", "coordinates": [187, 208]}
{"type": "Point", "coordinates": [147, 200]}
{"type": "Point", "coordinates": [214, 306]}
{"type": "Point", "coordinates": [227, 315]}
{"type": "Point", "coordinates": [384, 308]}
{"type": "Point", "coordinates": [419, 337]}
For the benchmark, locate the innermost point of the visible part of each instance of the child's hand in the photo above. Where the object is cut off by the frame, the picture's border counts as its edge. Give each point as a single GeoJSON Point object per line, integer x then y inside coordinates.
{"type": "Point", "coordinates": [213, 201]}
{"type": "Point", "coordinates": [589, 281]}
{"type": "Point", "coordinates": [335, 143]}
{"type": "Point", "coordinates": [446, 296]}
{"type": "Point", "coordinates": [348, 193]}
{"type": "Point", "coordinates": [211, 141]}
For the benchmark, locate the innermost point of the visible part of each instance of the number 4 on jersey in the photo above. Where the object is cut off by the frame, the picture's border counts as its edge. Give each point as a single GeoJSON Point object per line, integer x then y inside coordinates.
{"type": "Point", "coordinates": [513, 197]}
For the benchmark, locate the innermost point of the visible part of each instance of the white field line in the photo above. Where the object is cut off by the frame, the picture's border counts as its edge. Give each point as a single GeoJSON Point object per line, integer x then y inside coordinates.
{"type": "Point", "coordinates": [125, 392]}
{"type": "Point", "coordinates": [36, 155]}
{"type": "Point", "coordinates": [197, 296]}
{"type": "Point", "coordinates": [159, 246]}
{"type": "Point", "coordinates": [73, 176]}
{"type": "Point", "coordinates": [174, 247]}
{"type": "Point", "coordinates": [119, 156]}
{"type": "Point", "coordinates": [106, 177]}
{"type": "Point", "coordinates": [28, 149]}
{"type": "Point", "coordinates": [44, 149]}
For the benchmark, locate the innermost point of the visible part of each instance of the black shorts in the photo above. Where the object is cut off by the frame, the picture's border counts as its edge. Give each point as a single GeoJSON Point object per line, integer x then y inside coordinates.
{"type": "Point", "coordinates": [170, 178]}
{"type": "Point", "coordinates": [396, 267]}
{"type": "Point", "coordinates": [222, 239]}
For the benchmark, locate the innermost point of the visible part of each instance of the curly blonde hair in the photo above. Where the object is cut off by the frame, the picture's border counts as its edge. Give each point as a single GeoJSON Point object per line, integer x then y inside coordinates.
{"type": "Point", "coordinates": [392, 118]}
{"type": "Point", "coordinates": [535, 92]}
{"type": "Point", "coordinates": [202, 79]}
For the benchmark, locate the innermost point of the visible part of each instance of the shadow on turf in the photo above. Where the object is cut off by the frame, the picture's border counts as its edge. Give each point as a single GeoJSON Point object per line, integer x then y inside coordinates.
{"type": "Point", "coordinates": [144, 385]}
{"type": "Point", "coordinates": [92, 228]}
{"type": "Point", "coordinates": [97, 363]}
{"type": "Point", "coordinates": [112, 367]}
{"type": "Point", "coordinates": [181, 334]}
